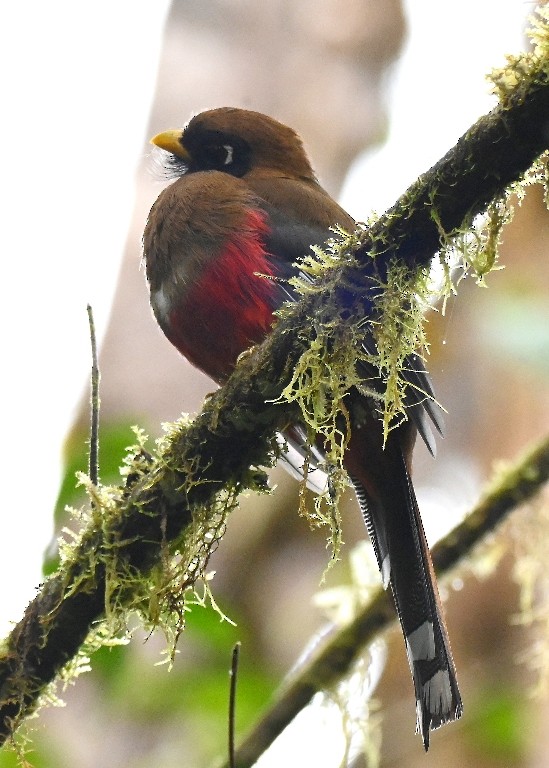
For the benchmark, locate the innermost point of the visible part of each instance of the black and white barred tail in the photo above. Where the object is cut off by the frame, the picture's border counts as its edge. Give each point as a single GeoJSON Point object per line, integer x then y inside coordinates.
{"type": "Point", "coordinates": [395, 528]}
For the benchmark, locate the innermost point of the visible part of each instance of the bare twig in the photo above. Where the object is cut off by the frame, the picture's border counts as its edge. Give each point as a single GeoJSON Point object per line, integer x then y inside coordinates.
{"type": "Point", "coordinates": [232, 703]}
{"type": "Point", "coordinates": [94, 404]}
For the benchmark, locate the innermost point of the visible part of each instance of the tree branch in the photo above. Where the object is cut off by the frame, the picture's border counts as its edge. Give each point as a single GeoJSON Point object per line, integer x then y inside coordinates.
{"type": "Point", "coordinates": [489, 157]}
{"type": "Point", "coordinates": [235, 429]}
{"type": "Point", "coordinates": [334, 659]}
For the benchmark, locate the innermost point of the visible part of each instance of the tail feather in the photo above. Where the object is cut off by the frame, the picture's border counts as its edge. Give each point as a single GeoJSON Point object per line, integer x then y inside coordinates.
{"type": "Point", "coordinates": [401, 549]}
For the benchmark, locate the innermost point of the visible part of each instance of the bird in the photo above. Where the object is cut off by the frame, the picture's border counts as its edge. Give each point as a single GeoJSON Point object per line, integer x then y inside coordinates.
{"type": "Point", "coordinates": [220, 245]}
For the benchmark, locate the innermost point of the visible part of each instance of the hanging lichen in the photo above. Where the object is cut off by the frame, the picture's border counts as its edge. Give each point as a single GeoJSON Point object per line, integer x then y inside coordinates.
{"type": "Point", "coordinates": [162, 596]}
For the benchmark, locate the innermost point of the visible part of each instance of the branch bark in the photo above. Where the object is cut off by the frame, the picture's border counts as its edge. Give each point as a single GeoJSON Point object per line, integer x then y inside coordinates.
{"type": "Point", "coordinates": [235, 429]}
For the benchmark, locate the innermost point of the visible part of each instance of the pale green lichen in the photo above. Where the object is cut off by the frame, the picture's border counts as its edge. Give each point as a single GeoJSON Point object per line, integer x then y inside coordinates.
{"type": "Point", "coordinates": [539, 174]}
{"type": "Point", "coordinates": [397, 327]}
{"type": "Point", "coordinates": [473, 249]}
{"type": "Point", "coordinates": [349, 706]}
{"type": "Point", "coordinates": [180, 580]}
{"type": "Point", "coordinates": [161, 597]}
{"type": "Point", "coordinates": [20, 744]}
{"type": "Point", "coordinates": [392, 317]}
{"type": "Point", "coordinates": [326, 371]}
{"type": "Point", "coordinates": [527, 66]}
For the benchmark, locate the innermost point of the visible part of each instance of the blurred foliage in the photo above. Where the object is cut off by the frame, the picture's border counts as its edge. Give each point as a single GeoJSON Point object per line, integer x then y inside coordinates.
{"type": "Point", "coordinates": [517, 324]}
{"type": "Point", "coordinates": [199, 677]}
{"type": "Point", "coordinates": [497, 727]}
{"type": "Point", "coordinates": [114, 440]}
{"type": "Point", "coordinates": [9, 759]}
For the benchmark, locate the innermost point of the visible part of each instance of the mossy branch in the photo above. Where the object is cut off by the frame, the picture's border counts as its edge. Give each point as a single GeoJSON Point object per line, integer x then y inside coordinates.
{"type": "Point", "coordinates": [486, 160]}
{"type": "Point", "coordinates": [132, 526]}
{"type": "Point", "coordinates": [333, 660]}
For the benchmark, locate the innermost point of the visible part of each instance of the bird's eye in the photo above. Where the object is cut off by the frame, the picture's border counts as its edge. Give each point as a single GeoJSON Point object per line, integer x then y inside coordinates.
{"type": "Point", "coordinates": [214, 151]}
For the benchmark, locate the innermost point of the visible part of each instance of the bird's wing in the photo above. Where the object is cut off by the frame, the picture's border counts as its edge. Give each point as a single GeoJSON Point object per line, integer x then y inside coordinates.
{"type": "Point", "coordinates": [289, 240]}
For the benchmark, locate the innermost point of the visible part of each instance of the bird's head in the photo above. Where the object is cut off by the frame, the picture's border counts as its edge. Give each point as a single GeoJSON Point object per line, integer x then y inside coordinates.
{"type": "Point", "coordinates": [237, 142]}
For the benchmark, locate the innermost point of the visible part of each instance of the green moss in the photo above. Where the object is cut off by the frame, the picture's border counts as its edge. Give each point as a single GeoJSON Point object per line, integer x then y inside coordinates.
{"type": "Point", "coordinates": [162, 596]}
{"type": "Point", "coordinates": [529, 66]}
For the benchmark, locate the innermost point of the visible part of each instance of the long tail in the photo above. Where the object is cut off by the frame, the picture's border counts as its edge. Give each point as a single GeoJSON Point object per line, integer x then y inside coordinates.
{"type": "Point", "coordinates": [396, 530]}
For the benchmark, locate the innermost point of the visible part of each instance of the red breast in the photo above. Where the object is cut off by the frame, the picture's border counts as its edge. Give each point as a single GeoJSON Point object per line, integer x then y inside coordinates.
{"type": "Point", "coordinates": [207, 237]}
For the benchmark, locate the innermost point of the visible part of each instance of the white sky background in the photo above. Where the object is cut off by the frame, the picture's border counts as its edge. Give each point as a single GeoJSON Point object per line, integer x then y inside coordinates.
{"type": "Point", "coordinates": [77, 84]}
{"type": "Point", "coordinates": [76, 92]}
{"type": "Point", "coordinates": [437, 91]}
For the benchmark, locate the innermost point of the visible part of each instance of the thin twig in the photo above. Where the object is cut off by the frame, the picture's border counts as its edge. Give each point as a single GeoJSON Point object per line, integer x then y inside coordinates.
{"type": "Point", "coordinates": [232, 703]}
{"type": "Point", "coordinates": [93, 467]}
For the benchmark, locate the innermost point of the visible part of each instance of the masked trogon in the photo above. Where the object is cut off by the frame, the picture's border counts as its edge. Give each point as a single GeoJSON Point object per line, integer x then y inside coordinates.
{"type": "Point", "coordinates": [246, 205]}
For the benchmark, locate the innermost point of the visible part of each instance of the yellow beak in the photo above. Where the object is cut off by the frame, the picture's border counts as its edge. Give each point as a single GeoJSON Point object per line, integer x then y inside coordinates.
{"type": "Point", "coordinates": [171, 142]}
